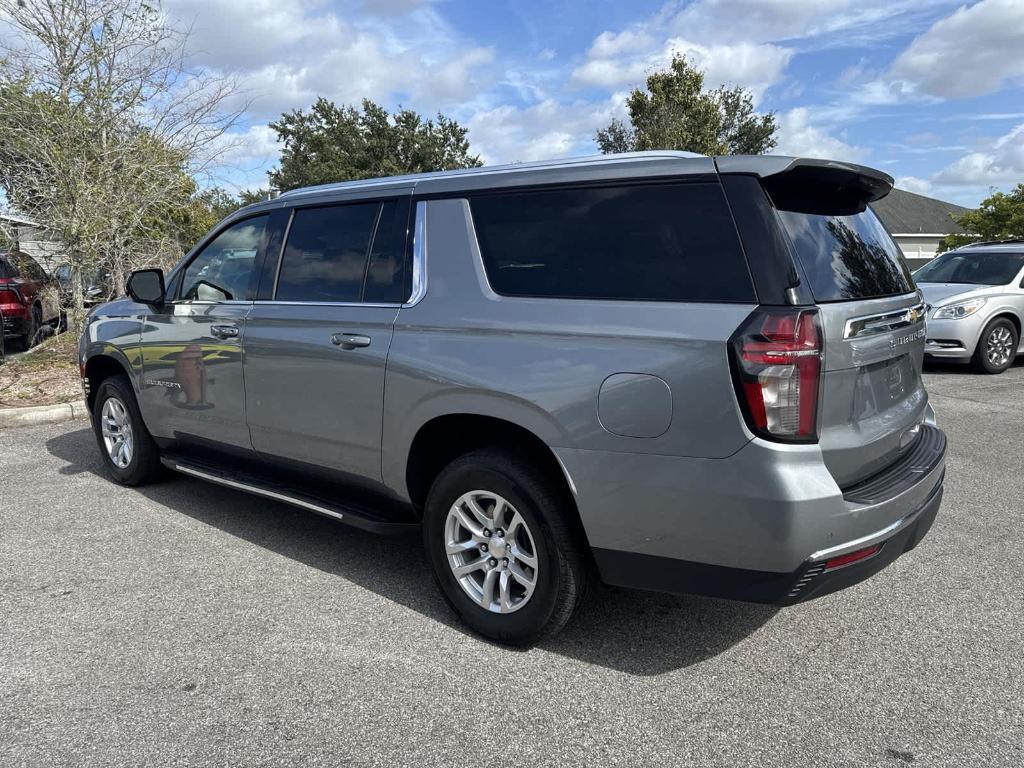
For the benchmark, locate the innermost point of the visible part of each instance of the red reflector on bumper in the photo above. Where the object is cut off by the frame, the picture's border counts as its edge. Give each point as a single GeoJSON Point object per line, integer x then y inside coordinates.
{"type": "Point", "coordinates": [852, 557]}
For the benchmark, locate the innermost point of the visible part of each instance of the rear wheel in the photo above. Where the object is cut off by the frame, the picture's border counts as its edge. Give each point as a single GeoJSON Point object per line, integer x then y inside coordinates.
{"type": "Point", "coordinates": [129, 452]}
{"type": "Point", "coordinates": [997, 346]}
{"type": "Point", "coordinates": [502, 549]}
{"type": "Point", "coordinates": [33, 323]}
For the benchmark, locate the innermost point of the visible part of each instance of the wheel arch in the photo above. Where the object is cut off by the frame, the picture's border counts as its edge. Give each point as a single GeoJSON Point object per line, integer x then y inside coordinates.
{"type": "Point", "coordinates": [1010, 315]}
{"type": "Point", "coordinates": [101, 366]}
{"type": "Point", "coordinates": [445, 437]}
{"type": "Point", "coordinates": [1001, 313]}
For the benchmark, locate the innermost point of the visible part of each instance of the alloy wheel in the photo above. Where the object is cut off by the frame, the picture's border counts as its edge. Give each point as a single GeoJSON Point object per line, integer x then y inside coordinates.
{"type": "Point", "coordinates": [999, 346]}
{"type": "Point", "coordinates": [491, 551]}
{"type": "Point", "coordinates": [116, 425]}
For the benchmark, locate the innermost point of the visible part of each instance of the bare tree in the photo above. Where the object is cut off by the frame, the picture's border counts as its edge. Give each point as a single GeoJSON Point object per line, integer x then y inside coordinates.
{"type": "Point", "coordinates": [103, 129]}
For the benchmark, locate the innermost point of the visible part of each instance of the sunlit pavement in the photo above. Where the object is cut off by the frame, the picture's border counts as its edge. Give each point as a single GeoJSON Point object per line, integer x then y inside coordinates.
{"type": "Point", "coordinates": [188, 624]}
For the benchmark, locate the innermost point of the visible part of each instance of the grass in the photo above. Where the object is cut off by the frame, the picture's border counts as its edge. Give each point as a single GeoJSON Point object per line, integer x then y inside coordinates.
{"type": "Point", "coordinates": [45, 375]}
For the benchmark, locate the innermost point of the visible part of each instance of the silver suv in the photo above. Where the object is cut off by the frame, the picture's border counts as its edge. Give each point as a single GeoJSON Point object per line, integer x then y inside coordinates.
{"type": "Point", "coordinates": [663, 370]}
{"type": "Point", "coordinates": [975, 298]}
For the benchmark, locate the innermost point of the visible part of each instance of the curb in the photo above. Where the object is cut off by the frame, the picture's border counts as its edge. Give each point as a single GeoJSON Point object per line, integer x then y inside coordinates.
{"type": "Point", "coordinates": [43, 414]}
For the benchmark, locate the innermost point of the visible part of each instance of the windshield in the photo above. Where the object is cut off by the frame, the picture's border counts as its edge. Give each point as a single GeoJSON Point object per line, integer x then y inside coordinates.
{"type": "Point", "coordinates": [996, 268]}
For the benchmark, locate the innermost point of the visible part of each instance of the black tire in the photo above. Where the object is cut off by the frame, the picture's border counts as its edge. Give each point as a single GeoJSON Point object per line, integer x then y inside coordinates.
{"type": "Point", "coordinates": [981, 361]}
{"type": "Point", "coordinates": [35, 321]}
{"type": "Point", "coordinates": [144, 465]}
{"type": "Point", "coordinates": [562, 573]}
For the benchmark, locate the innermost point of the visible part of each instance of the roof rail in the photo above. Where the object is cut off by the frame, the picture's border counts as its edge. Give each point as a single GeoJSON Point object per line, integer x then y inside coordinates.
{"type": "Point", "coordinates": [993, 242]}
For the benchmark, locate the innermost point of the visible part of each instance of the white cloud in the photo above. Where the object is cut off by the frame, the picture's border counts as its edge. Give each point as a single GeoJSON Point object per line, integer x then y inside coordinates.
{"type": "Point", "coordinates": [828, 23]}
{"type": "Point", "coordinates": [1000, 163]}
{"type": "Point", "coordinates": [973, 51]}
{"type": "Point", "coordinates": [799, 136]}
{"type": "Point", "coordinates": [287, 54]}
{"type": "Point", "coordinates": [914, 184]}
{"type": "Point", "coordinates": [612, 64]}
{"type": "Point", "coordinates": [609, 44]}
{"type": "Point", "coordinates": [542, 131]}
{"type": "Point", "coordinates": [752, 19]}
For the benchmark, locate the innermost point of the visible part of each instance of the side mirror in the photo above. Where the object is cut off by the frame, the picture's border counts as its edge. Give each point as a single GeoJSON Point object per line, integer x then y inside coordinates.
{"type": "Point", "coordinates": [146, 286]}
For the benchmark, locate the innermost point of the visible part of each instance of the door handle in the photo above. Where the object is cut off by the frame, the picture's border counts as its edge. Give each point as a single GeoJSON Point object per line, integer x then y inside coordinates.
{"type": "Point", "coordinates": [350, 340]}
{"type": "Point", "coordinates": [224, 331]}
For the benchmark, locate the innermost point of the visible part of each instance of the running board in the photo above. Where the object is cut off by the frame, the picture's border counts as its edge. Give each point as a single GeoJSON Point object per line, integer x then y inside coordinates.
{"type": "Point", "coordinates": [356, 516]}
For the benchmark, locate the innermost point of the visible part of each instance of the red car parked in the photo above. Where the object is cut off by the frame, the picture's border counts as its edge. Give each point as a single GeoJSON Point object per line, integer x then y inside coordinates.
{"type": "Point", "coordinates": [24, 303]}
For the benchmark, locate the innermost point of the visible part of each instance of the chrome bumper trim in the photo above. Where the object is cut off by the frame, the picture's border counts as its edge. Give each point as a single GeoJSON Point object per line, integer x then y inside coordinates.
{"type": "Point", "coordinates": [877, 537]}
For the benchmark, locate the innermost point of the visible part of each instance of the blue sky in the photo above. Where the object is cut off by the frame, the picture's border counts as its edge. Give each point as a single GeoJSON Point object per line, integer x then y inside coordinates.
{"type": "Point", "coordinates": [931, 92]}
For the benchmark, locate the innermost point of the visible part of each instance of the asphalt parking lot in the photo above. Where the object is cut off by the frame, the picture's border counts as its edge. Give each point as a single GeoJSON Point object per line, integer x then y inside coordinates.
{"type": "Point", "coordinates": [187, 624]}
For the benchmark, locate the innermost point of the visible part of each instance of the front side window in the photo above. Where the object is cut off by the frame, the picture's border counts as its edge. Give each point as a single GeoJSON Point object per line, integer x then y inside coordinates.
{"type": "Point", "coordinates": [654, 242]}
{"type": "Point", "coordinates": [224, 270]}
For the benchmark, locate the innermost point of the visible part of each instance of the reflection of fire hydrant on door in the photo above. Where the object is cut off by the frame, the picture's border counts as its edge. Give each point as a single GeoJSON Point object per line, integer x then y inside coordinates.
{"type": "Point", "coordinates": [191, 374]}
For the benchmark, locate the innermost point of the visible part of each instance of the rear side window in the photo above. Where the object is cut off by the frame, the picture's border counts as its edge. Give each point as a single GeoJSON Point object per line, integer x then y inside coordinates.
{"type": "Point", "coordinates": [6, 270]}
{"type": "Point", "coordinates": [346, 254]}
{"type": "Point", "coordinates": [655, 242]}
{"type": "Point", "coordinates": [846, 256]}
{"type": "Point", "coordinates": [385, 272]}
{"type": "Point", "coordinates": [325, 256]}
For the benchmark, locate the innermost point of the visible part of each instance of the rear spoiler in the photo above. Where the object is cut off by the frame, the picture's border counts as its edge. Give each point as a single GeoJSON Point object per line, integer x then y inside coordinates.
{"type": "Point", "coordinates": [810, 185]}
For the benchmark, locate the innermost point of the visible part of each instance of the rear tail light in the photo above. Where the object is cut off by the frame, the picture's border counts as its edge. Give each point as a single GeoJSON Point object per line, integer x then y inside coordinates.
{"type": "Point", "coordinates": [776, 362]}
{"type": "Point", "coordinates": [9, 295]}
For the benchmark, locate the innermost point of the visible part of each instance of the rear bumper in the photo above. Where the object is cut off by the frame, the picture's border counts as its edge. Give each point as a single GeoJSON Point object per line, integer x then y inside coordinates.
{"type": "Point", "coordinates": [811, 579]}
{"type": "Point", "coordinates": [14, 324]}
{"type": "Point", "coordinates": [759, 526]}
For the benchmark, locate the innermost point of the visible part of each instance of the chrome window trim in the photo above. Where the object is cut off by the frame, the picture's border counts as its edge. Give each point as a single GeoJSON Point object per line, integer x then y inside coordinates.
{"type": "Point", "coordinates": [210, 303]}
{"type": "Point", "coordinates": [272, 302]}
{"type": "Point", "coordinates": [419, 256]}
{"type": "Point", "coordinates": [883, 322]}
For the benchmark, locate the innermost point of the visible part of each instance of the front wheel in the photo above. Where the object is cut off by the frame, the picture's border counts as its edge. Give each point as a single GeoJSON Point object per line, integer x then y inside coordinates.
{"type": "Point", "coordinates": [997, 346]}
{"type": "Point", "coordinates": [129, 452]}
{"type": "Point", "coordinates": [502, 548]}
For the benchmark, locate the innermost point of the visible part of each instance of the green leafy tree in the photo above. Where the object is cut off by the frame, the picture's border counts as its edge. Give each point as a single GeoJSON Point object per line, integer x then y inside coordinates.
{"type": "Point", "coordinates": [205, 208]}
{"type": "Point", "coordinates": [675, 112]}
{"type": "Point", "coordinates": [331, 143]}
{"type": "Point", "coordinates": [999, 217]}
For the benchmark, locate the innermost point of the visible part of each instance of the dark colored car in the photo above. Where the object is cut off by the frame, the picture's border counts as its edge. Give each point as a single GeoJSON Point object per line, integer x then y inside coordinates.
{"type": "Point", "coordinates": [24, 301]}
{"type": "Point", "coordinates": [97, 285]}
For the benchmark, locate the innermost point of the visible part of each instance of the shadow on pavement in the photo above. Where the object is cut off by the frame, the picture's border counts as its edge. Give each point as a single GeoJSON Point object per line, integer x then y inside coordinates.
{"type": "Point", "coordinates": [639, 633]}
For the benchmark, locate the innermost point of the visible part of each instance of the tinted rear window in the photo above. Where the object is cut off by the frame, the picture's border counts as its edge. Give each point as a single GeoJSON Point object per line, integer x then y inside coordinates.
{"type": "Point", "coordinates": [658, 242]}
{"type": "Point", "coordinates": [847, 256]}
{"type": "Point", "coordinates": [325, 257]}
{"type": "Point", "coordinates": [6, 270]}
